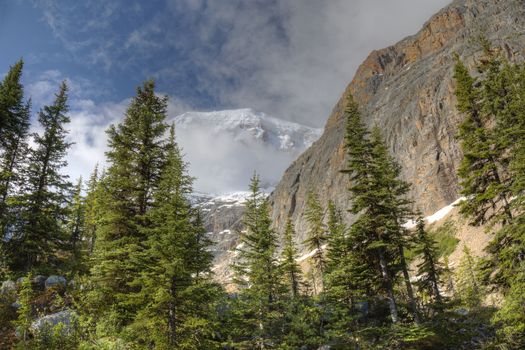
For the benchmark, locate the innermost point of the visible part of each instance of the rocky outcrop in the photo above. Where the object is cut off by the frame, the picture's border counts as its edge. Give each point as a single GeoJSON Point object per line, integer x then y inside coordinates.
{"type": "Point", "coordinates": [222, 217]}
{"type": "Point", "coordinates": [408, 90]}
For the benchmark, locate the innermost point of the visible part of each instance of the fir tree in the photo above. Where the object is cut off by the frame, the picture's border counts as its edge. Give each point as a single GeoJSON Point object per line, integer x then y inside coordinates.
{"type": "Point", "coordinates": [136, 156]}
{"type": "Point", "coordinates": [379, 199]}
{"type": "Point", "coordinates": [25, 311]}
{"type": "Point", "coordinates": [38, 233]}
{"type": "Point", "coordinates": [316, 240]}
{"type": "Point", "coordinates": [289, 265]}
{"type": "Point", "coordinates": [76, 220]}
{"type": "Point", "coordinates": [467, 280]}
{"type": "Point", "coordinates": [92, 209]}
{"type": "Point", "coordinates": [258, 274]}
{"type": "Point", "coordinates": [14, 127]}
{"type": "Point", "coordinates": [176, 293]}
{"type": "Point", "coordinates": [429, 269]}
{"type": "Point", "coordinates": [481, 178]}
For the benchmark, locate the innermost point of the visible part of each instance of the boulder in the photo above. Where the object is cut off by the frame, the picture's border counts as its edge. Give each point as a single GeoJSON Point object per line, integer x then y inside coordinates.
{"type": "Point", "coordinates": [39, 281]}
{"type": "Point", "coordinates": [55, 281]}
{"type": "Point", "coordinates": [7, 287]}
{"type": "Point", "coordinates": [49, 321]}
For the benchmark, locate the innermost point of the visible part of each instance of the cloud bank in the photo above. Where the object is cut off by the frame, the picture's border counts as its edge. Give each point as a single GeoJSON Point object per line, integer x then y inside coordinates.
{"type": "Point", "coordinates": [289, 58]}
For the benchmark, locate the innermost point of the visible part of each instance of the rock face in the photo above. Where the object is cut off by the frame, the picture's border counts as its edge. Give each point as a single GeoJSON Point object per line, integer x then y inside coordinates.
{"type": "Point", "coordinates": [408, 90]}
{"type": "Point", "coordinates": [222, 218]}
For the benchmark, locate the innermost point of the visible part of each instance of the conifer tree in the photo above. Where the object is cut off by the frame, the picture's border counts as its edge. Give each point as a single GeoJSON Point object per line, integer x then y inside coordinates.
{"type": "Point", "coordinates": [136, 156]}
{"type": "Point", "coordinates": [38, 233]}
{"type": "Point", "coordinates": [258, 274]}
{"type": "Point", "coordinates": [379, 198]}
{"type": "Point", "coordinates": [316, 240]}
{"type": "Point", "coordinates": [76, 220]}
{"type": "Point", "coordinates": [92, 209]}
{"type": "Point", "coordinates": [429, 269]}
{"type": "Point", "coordinates": [289, 265]}
{"type": "Point", "coordinates": [468, 286]}
{"type": "Point", "coordinates": [14, 127]}
{"type": "Point", "coordinates": [481, 178]}
{"type": "Point", "coordinates": [177, 295]}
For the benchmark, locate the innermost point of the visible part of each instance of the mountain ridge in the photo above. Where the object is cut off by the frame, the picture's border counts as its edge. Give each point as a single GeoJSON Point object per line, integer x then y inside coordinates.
{"type": "Point", "coordinates": [408, 90]}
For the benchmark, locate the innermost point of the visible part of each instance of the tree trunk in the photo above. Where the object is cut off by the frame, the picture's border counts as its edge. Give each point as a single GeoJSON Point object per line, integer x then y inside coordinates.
{"type": "Point", "coordinates": [410, 291]}
{"type": "Point", "coordinates": [388, 286]}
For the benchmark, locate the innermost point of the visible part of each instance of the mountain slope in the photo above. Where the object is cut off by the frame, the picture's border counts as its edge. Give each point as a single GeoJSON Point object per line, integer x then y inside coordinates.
{"type": "Point", "coordinates": [408, 90]}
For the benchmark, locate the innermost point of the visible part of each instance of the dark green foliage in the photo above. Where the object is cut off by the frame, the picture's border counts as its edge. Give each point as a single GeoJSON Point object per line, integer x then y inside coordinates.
{"type": "Point", "coordinates": [492, 173]}
{"type": "Point", "coordinates": [38, 234]}
{"type": "Point", "coordinates": [75, 221]}
{"type": "Point", "coordinates": [379, 197]}
{"type": "Point", "coordinates": [14, 127]}
{"type": "Point", "coordinates": [291, 269]}
{"type": "Point", "coordinates": [429, 269]}
{"type": "Point", "coordinates": [316, 239]}
{"type": "Point", "coordinates": [136, 156]}
{"type": "Point", "coordinates": [259, 275]}
{"type": "Point", "coordinates": [176, 294]}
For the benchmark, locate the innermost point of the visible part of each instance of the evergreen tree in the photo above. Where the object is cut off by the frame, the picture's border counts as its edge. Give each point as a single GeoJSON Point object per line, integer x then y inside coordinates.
{"type": "Point", "coordinates": [136, 156]}
{"type": "Point", "coordinates": [429, 269]}
{"type": "Point", "coordinates": [258, 274]}
{"type": "Point", "coordinates": [316, 240]}
{"type": "Point", "coordinates": [38, 234]}
{"type": "Point", "coordinates": [76, 220]}
{"type": "Point", "coordinates": [467, 280]}
{"type": "Point", "coordinates": [379, 199]}
{"type": "Point", "coordinates": [92, 209]}
{"type": "Point", "coordinates": [480, 171]}
{"type": "Point", "coordinates": [289, 265]}
{"type": "Point", "coordinates": [14, 127]}
{"type": "Point", "coordinates": [177, 295]}
{"type": "Point", "coordinates": [25, 311]}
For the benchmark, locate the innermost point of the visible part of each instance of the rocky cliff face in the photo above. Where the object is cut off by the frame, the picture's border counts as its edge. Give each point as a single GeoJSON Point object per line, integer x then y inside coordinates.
{"type": "Point", "coordinates": [408, 90]}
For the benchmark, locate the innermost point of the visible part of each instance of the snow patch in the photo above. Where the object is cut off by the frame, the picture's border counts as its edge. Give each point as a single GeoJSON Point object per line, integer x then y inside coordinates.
{"type": "Point", "coordinates": [438, 215]}
{"type": "Point", "coordinates": [310, 254]}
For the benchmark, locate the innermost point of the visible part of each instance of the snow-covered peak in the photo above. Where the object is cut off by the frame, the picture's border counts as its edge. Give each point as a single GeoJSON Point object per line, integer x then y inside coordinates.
{"type": "Point", "coordinates": [224, 148]}
{"type": "Point", "coordinates": [245, 125]}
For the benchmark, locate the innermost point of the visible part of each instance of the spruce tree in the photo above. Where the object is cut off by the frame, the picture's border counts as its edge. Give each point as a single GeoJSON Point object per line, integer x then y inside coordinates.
{"type": "Point", "coordinates": [429, 269]}
{"type": "Point", "coordinates": [480, 171]}
{"type": "Point", "coordinates": [92, 209]}
{"type": "Point", "coordinates": [379, 197]}
{"type": "Point", "coordinates": [14, 127]}
{"type": "Point", "coordinates": [316, 240]}
{"type": "Point", "coordinates": [258, 274]}
{"type": "Point", "coordinates": [289, 265]}
{"type": "Point", "coordinates": [467, 280]}
{"type": "Point", "coordinates": [175, 288]}
{"type": "Point", "coordinates": [38, 233]}
{"type": "Point", "coordinates": [136, 156]}
{"type": "Point", "coordinates": [75, 222]}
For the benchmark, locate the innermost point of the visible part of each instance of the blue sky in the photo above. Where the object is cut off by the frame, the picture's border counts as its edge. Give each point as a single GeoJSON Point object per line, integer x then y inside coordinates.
{"type": "Point", "coordinates": [288, 58]}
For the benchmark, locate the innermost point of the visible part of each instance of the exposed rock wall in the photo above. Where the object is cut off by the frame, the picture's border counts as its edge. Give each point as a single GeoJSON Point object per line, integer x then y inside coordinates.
{"type": "Point", "coordinates": [408, 90]}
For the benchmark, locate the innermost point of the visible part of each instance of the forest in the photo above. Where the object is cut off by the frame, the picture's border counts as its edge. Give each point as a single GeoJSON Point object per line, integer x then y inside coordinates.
{"type": "Point", "coordinates": [121, 259]}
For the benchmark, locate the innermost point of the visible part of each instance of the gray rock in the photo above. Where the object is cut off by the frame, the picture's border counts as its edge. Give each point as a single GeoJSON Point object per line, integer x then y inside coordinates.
{"type": "Point", "coordinates": [7, 287]}
{"type": "Point", "coordinates": [20, 280]}
{"type": "Point", "coordinates": [39, 281]}
{"type": "Point", "coordinates": [408, 90]}
{"type": "Point", "coordinates": [55, 281]}
{"type": "Point", "coordinates": [49, 321]}
{"type": "Point", "coordinates": [16, 305]}
{"type": "Point", "coordinates": [462, 311]}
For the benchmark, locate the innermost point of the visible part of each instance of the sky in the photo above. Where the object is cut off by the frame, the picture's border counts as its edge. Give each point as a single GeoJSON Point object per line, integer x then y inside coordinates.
{"type": "Point", "coordinates": [290, 59]}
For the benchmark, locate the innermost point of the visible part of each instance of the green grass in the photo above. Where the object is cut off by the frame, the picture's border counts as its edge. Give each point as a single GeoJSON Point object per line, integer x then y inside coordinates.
{"type": "Point", "coordinates": [445, 236]}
